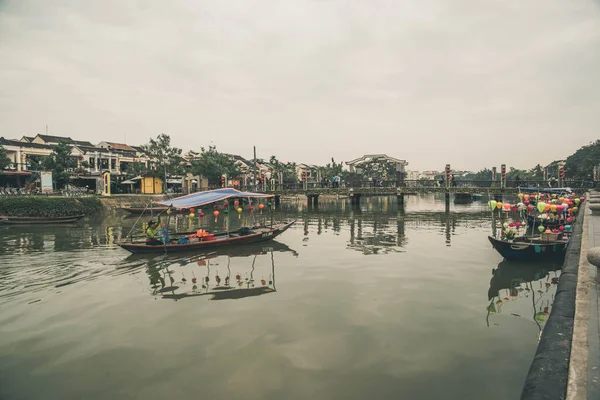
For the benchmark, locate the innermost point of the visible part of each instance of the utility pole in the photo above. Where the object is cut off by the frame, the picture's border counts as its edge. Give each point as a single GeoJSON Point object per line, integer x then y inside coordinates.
{"type": "Point", "coordinates": [254, 168]}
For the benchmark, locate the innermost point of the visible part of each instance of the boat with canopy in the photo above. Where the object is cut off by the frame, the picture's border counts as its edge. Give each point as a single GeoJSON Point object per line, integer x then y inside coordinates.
{"type": "Point", "coordinates": [201, 239]}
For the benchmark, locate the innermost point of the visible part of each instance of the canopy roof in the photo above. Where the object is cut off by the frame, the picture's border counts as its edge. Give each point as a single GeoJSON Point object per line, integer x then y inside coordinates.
{"type": "Point", "coordinates": [211, 196]}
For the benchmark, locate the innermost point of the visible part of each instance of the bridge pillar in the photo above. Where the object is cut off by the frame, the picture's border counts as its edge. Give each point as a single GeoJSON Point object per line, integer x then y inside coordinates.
{"type": "Point", "coordinates": [313, 200]}
{"type": "Point", "coordinates": [277, 200]}
{"type": "Point", "coordinates": [447, 201]}
{"type": "Point", "coordinates": [355, 199]}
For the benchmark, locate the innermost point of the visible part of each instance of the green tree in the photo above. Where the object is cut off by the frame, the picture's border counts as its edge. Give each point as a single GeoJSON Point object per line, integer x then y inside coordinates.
{"type": "Point", "coordinates": [4, 160]}
{"type": "Point", "coordinates": [61, 163]}
{"type": "Point", "coordinates": [213, 165]}
{"type": "Point", "coordinates": [580, 165]}
{"type": "Point", "coordinates": [166, 159]}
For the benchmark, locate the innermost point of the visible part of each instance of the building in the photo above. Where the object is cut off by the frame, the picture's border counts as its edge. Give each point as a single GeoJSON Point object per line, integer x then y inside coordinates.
{"type": "Point", "coordinates": [413, 175]}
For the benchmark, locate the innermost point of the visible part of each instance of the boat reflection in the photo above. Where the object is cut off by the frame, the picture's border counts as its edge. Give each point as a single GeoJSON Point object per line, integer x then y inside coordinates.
{"type": "Point", "coordinates": [524, 289]}
{"type": "Point", "coordinates": [179, 277]}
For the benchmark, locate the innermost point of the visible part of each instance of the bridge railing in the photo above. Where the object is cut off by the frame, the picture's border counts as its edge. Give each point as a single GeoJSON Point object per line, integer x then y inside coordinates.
{"type": "Point", "coordinates": [417, 184]}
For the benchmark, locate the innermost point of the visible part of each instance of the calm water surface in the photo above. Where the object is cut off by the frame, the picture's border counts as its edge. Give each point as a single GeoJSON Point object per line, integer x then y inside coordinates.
{"type": "Point", "coordinates": [348, 304]}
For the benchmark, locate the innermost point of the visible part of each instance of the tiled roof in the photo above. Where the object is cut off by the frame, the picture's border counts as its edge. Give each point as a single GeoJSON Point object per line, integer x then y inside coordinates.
{"type": "Point", "coordinates": [18, 143]}
{"type": "Point", "coordinates": [55, 139]}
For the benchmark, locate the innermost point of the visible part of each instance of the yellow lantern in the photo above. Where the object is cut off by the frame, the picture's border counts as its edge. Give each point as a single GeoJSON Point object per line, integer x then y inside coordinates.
{"type": "Point", "coordinates": [239, 210]}
{"type": "Point", "coordinates": [499, 205]}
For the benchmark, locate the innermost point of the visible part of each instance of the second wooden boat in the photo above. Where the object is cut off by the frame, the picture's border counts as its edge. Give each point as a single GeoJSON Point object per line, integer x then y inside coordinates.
{"type": "Point", "coordinates": [526, 249]}
{"type": "Point", "coordinates": [10, 220]}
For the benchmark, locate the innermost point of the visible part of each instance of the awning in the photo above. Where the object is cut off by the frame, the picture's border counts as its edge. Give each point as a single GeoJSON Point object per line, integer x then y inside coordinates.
{"type": "Point", "coordinates": [137, 178]}
{"type": "Point", "coordinates": [128, 182]}
{"type": "Point", "coordinates": [178, 181]}
{"type": "Point", "coordinates": [202, 198]}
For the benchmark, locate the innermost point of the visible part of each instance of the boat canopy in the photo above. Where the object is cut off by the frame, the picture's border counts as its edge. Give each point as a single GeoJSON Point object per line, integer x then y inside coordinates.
{"type": "Point", "coordinates": [546, 190]}
{"type": "Point", "coordinates": [211, 196]}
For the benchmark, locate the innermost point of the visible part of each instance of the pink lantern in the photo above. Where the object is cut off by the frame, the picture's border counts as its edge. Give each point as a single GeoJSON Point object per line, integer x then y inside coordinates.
{"type": "Point", "coordinates": [582, 199]}
{"type": "Point", "coordinates": [561, 228]}
{"type": "Point", "coordinates": [555, 230]}
{"type": "Point", "coordinates": [518, 224]}
{"type": "Point", "coordinates": [570, 219]}
{"type": "Point", "coordinates": [559, 209]}
{"type": "Point", "coordinates": [541, 195]}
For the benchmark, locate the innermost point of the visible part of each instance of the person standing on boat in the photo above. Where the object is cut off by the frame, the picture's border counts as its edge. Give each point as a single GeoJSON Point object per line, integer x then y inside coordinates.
{"type": "Point", "coordinates": [152, 236]}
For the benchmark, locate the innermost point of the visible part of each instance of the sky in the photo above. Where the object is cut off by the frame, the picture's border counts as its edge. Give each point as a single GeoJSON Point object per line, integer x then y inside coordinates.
{"type": "Point", "coordinates": [467, 82]}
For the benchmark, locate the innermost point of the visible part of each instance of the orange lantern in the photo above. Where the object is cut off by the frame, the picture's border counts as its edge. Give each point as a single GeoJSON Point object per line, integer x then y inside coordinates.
{"type": "Point", "coordinates": [216, 214]}
{"type": "Point", "coordinates": [499, 205]}
{"type": "Point", "coordinates": [261, 206]}
{"type": "Point", "coordinates": [506, 206]}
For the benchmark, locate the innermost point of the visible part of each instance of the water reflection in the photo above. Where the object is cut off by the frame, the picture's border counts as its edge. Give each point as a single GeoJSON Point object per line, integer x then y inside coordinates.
{"type": "Point", "coordinates": [523, 291]}
{"type": "Point", "coordinates": [198, 275]}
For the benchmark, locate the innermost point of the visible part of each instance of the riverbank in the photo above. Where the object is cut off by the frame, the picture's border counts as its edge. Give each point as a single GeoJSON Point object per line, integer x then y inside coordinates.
{"type": "Point", "coordinates": [49, 207]}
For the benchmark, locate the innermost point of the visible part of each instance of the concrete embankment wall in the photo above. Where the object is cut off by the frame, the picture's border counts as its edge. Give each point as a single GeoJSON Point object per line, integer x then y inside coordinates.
{"type": "Point", "coordinates": [548, 374]}
{"type": "Point", "coordinates": [134, 200]}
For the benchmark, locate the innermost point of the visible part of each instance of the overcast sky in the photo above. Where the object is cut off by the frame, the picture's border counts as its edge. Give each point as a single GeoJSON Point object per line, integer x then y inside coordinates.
{"type": "Point", "coordinates": [470, 82]}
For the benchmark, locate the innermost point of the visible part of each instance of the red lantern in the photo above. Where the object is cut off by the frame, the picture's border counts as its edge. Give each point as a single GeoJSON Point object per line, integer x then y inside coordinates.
{"type": "Point", "coordinates": [192, 209]}
{"type": "Point", "coordinates": [216, 207]}
{"type": "Point", "coordinates": [569, 219]}
{"type": "Point", "coordinates": [581, 199]}
{"type": "Point", "coordinates": [526, 202]}
{"type": "Point", "coordinates": [512, 225]}
{"type": "Point", "coordinates": [236, 203]}
{"type": "Point", "coordinates": [518, 224]}
{"type": "Point", "coordinates": [251, 208]}
{"type": "Point", "coordinates": [225, 204]}
{"type": "Point", "coordinates": [183, 210]}
{"type": "Point", "coordinates": [530, 208]}
{"type": "Point", "coordinates": [201, 214]}
{"type": "Point", "coordinates": [561, 228]}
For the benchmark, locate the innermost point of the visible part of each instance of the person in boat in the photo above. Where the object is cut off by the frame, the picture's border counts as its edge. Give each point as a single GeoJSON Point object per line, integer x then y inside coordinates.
{"type": "Point", "coordinates": [152, 236]}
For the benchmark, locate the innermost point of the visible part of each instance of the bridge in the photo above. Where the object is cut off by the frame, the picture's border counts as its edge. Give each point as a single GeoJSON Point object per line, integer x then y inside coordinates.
{"type": "Point", "coordinates": [460, 189]}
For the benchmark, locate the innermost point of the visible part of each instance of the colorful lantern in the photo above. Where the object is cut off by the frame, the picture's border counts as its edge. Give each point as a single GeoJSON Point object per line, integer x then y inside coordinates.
{"type": "Point", "coordinates": [541, 206]}
{"type": "Point", "coordinates": [505, 225]}
{"type": "Point", "coordinates": [512, 224]}
{"type": "Point", "coordinates": [569, 219]}
{"type": "Point", "coordinates": [526, 197]}
{"type": "Point", "coordinates": [520, 195]}
{"type": "Point", "coordinates": [526, 202]}
{"type": "Point", "coordinates": [567, 228]}
{"type": "Point", "coordinates": [192, 215]}
{"type": "Point", "coordinates": [518, 224]}
{"type": "Point", "coordinates": [506, 206]}
{"type": "Point", "coordinates": [169, 211]}
{"type": "Point", "coordinates": [561, 199]}
{"type": "Point", "coordinates": [201, 214]}
{"type": "Point", "coordinates": [239, 210]}
{"type": "Point", "coordinates": [192, 209]}
{"type": "Point", "coordinates": [561, 228]}
{"type": "Point", "coordinates": [553, 207]}
{"type": "Point", "coordinates": [541, 228]}
{"type": "Point", "coordinates": [251, 208]}
{"type": "Point", "coordinates": [530, 208]}
{"type": "Point", "coordinates": [236, 203]}
{"type": "Point", "coordinates": [492, 204]}
{"type": "Point", "coordinates": [261, 206]}
{"type": "Point", "coordinates": [582, 199]}
{"type": "Point", "coordinates": [499, 205]}
{"type": "Point", "coordinates": [577, 201]}
{"type": "Point", "coordinates": [216, 214]}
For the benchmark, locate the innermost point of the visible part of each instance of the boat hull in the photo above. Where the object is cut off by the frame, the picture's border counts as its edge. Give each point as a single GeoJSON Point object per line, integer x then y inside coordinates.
{"type": "Point", "coordinates": [223, 240]}
{"type": "Point", "coordinates": [39, 221]}
{"type": "Point", "coordinates": [524, 251]}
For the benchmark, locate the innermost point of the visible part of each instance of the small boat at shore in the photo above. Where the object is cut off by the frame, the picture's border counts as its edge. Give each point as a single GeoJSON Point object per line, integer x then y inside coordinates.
{"type": "Point", "coordinates": [530, 249]}
{"type": "Point", "coordinates": [10, 220]}
{"type": "Point", "coordinates": [200, 240]}
{"type": "Point", "coordinates": [243, 236]}
{"type": "Point", "coordinates": [141, 210]}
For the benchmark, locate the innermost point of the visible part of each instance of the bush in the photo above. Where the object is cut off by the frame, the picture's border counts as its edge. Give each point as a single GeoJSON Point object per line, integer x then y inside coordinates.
{"type": "Point", "coordinates": [49, 207]}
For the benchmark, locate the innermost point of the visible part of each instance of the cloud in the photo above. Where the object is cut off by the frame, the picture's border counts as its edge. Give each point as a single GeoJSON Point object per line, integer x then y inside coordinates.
{"type": "Point", "coordinates": [472, 83]}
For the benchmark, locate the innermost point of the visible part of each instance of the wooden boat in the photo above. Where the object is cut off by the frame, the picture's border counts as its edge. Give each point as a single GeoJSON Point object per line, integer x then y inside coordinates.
{"type": "Point", "coordinates": [527, 249]}
{"type": "Point", "coordinates": [140, 210]}
{"type": "Point", "coordinates": [534, 222]}
{"type": "Point", "coordinates": [233, 238]}
{"type": "Point", "coordinates": [10, 220]}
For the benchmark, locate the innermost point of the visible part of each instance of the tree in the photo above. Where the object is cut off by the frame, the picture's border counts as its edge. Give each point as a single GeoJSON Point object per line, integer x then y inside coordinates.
{"type": "Point", "coordinates": [580, 165]}
{"type": "Point", "coordinates": [60, 162]}
{"type": "Point", "coordinates": [136, 169]}
{"type": "Point", "coordinates": [166, 159]}
{"type": "Point", "coordinates": [213, 165]}
{"type": "Point", "coordinates": [4, 160]}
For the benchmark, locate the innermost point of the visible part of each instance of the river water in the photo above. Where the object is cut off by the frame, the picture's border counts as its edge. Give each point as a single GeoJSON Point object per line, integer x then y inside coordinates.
{"type": "Point", "coordinates": [350, 303]}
